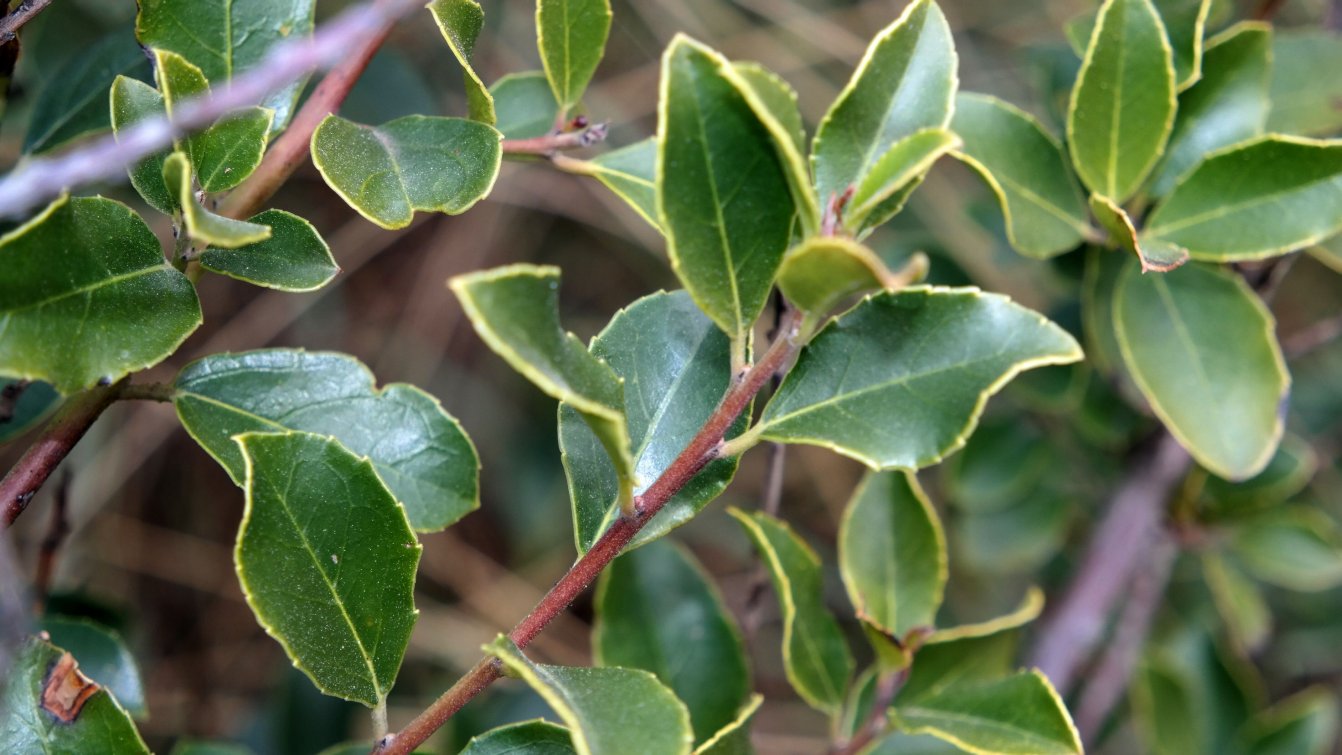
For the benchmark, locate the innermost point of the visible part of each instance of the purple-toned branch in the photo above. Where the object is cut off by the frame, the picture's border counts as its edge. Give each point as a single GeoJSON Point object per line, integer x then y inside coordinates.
{"type": "Point", "coordinates": [27, 11]}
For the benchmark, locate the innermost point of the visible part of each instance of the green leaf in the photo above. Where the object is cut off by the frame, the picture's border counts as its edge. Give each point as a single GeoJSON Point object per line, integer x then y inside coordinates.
{"type": "Point", "coordinates": [657, 610]}
{"type": "Point", "coordinates": [676, 367]}
{"type": "Point", "coordinates": [722, 192]}
{"type": "Point", "coordinates": [571, 35]}
{"type": "Point", "coordinates": [1254, 200]}
{"type": "Point", "coordinates": [1228, 105]}
{"type": "Point", "coordinates": [223, 38]}
{"type": "Point", "coordinates": [1029, 609]}
{"type": "Point", "coordinates": [1004, 461]}
{"type": "Point", "coordinates": [134, 101]}
{"type": "Point", "coordinates": [609, 711]}
{"type": "Point", "coordinates": [102, 657]}
{"type": "Point", "coordinates": [886, 184]}
{"type": "Point", "coordinates": [1163, 707]}
{"type": "Point", "coordinates": [294, 258]}
{"type": "Point", "coordinates": [1123, 103]}
{"type": "Point", "coordinates": [85, 296]}
{"type": "Point", "coordinates": [1153, 255]}
{"type": "Point", "coordinates": [1024, 164]}
{"type": "Point", "coordinates": [734, 738]}
{"type": "Point", "coordinates": [1018, 715]}
{"type": "Point", "coordinates": [524, 105]}
{"type": "Point", "coordinates": [327, 562]}
{"type": "Point", "coordinates": [815, 655]}
{"type": "Point", "coordinates": [892, 554]}
{"type": "Point", "coordinates": [515, 310]}
{"type": "Point", "coordinates": [1185, 25]}
{"type": "Point", "coordinates": [631, 172]}
{"type": "Point", "coordinates": [418, 450]}
{"type": "Point", "coordinates": [1297, 548]}
{"type": "Point", "coordinates": [526, 738]}
{"type": "Point", "coordinates": [460, 22]}
{"type": "Point", "coordinates": [1097, 309]}
{"type": "Point", "coordinates": [822, 271]}
{"type": "Point", "coordinates": [900, 380]}
{"type": "Point", "coordinates": [939, 666]}
{"type": "Point", "coordinates": [413, 163]}
{"type": "Point", "coordinates": [1200, 346]}
{"type": "Point", "coordinates": [27, 725]}
{"type": "Point", "coordinates": [905, 83]}
{"type": "Point", "coordinates": [73, 103]}
{"type": "Point", "coordinates": [775, 104]}
{"type": "Point", "coordinates": [1303, 102]}
{"type": "Point", "coordinates": [193, 747]}
{"type": "Point", "coordinates": [1288, 473]}
{"type": "Point", "coordinates": [35, 402]}
{"type": "Point", "coordinates": [1304, 724]}
{"type": "Point", "coordinates": [201, 224]}
{"type": "Point", "coordinates": [1245, 613]}
{"type": "Point", "coordinates": [1018, 538]}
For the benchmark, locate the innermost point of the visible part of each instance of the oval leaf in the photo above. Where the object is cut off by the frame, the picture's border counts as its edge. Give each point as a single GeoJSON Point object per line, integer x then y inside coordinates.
{"type": "Point", "coordinates": [134, 101]}
{"type": "Point", "coordinates": [822, 271]}
{"type": "Point", "coordinates": [460, 22]}
{"type": "Point", "coordinates": [524, 104]}
{"type": "Point", "coordinates": [73, 103]}
{"type": "Point", "coordinates": [1296, 548]}
{"type": "Point", "coordinates": [413, 163]}
{"type": "Point", "coordinates": [417, 449]}
{"type": "Point", "coordinates": [609, 711]}
{"type": "Point", "coordinates": [294, 258]}
{"type": "Point", "coordinates": [775, 104]}
{"type": "Point", "coordinates": [1018, 715]}
{"type": "Point", "coordinates": [571, 35]}
{"type": "Point", "coordinates": [201, 224]}
{"type": "Point", "coordinates": [85, 296]}
{"type": "Point", "coordinates": [1200, 346]}
{"type": "Point", "coordinates": [526, 738]}
{"type": "Point", "coordinates": [102, 657]}
{"type": "Point", "coordinates": [901, 379]}
{"type": "Point", "coordinates": [327, 562]}
{"type": "Point", "coordinates": [1123, 103]}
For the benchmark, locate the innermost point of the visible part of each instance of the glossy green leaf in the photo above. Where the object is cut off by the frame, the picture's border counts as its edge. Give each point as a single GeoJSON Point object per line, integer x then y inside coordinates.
{"type": "Point", "coordinates": [1123, 103]}
{"type": "Point", "coordinates": [774, 102]}
{"type": "Point", "coordinates": [815, 655]}
{"type": "Point", "coordinates": [223, 38]}
{"type": "Point", "coordinates": [1254, 200]}
{"type": "Point", "coordinates": [515, 310]}
{"type": "Point", "coordinates": [892, 553]}
{"type": "Point", "coordinates": [1200, 346]}
{"type": "Point", "coordinates": [413, 163]}
{"type": "Point", "coordinates": [1228, 105]}
{"type": "Point", "coordinates": [676, 367]}
{"type": "Point", "coordinates": [1018, 715]}
{"type": "Point", "coordinates": [905, 83]}
{"type": "Point", "coordinates": [631, 172]}
{"type": "Point", "coordinates": [1304, 724]}
{"type": "Point", "coordinates": [722, 192]}
{"type": "Point", "coordinates": [609, 711]}
{"type": "Point", "coordinates": [1185, 25]}
{"type": "Point", "coordinates": [1288, 473]}
{"type": "Point", "coordinates": [1024, 164]}
{"type": "Point", "coordinates": [1304, 102]}
{"type": "Point", "coordinates": [35, 402]}
{"type": "Point", "coordinates": [571, 35]}
{"type": "Point", "coordinates": [134, 101]}
{"type": "Point", "coordinates": [102, 657]}
{"type": "Point", "coordinates": [327, 562]}
{"type": "Point", "coordinates": [526, 738]}
{"type": "Point", "coordinates": [98, 724]}
{"type": "Point", "coordinates": [657, 610]}
{"type": "Point", "coordinates": [939, 666]}
{"type": "Point", "coordinates": [200, 224]}
{"type": "Point", "coordinates": [74, 102]}
{"type": "Point", "coordinates": [85, 296]}
{"type": "Point", "coordinates": [1029, 609]}
{"type": "Point", "coordinates": [1297, 548]}
{"type": "Point", "coordinates": [1154, 256]}
{"type": "Point", "coordinates": [822, 271]}
{"type": "Point", "coordinates": [1244, 612]}
{"type": "Point", "coordinates": [460, 22]}
{"type": "Point", "coordinates": [294, 258]}
{"type": "Point", "coordinates": [524, 105]}
{"type": "Point", "coordinates": [734, 738]}
{"type": "Point", "coordinates": [901, 167]}
{"type": "Point", "coordinates": [1190, 694]}
{"type": "Point", "coordinates": [418, 450]}
{"type": "Point", "coordinates": [900, 380]}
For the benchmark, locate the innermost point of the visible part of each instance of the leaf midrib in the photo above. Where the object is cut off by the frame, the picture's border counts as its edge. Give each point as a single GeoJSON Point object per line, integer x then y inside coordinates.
{"type": "Point", "coordinates": [1220, 211]}
{"type": "Point", "coordinates": [88, 288]}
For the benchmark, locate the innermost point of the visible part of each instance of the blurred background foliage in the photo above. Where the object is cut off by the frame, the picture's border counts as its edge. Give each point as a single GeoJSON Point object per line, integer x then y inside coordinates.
{"type": "Point", "coordinates": [154, 518]}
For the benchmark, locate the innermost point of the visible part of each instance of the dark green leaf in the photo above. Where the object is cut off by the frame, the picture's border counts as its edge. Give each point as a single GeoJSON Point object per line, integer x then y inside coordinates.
{"type": "Point", "coordinates": [1304, 724]}
{"type": "Point", "coordinates": [73, 103]}
{"type": "Point", "coordinates": [102, 657]}
{"type": "Point", "coordinates": [85, 296]}
{"type": "Point", "coordinates": [193, 747]}
{"type": "Point", "coordinates": [460, 22]}
{"type": "Point", "coordinates": [526, 738]}
{"type": "Point", "coordinates": [327, 562]}
{"type": "Point", "coordinates": [1154, 256]}
{"type": "Point", "coordinates": [822, 271]}
{"type": "Point", "coordinates": [1163, 707]}
{"type": "Point", "coordinates": [1245, 613]}
{"type": "Point", "coordinates": [775, 104]}
{"type": "Point", "coordinates": [201, 224]}
{"type": "Point", "coordinates": [631, 172]}
{"type": "Point", "coordinates": [1297, 548]}
{"type": "Point", "coordinates": [524, 105]}
{"type": "Point", "coordinates": [418, 450]}
{"type": "Point", "coordinates": [571, 35]}
{"type": "Point", "coordinates": [36, 400]}
{"type": "Point", "coordinates": [1303, 102]}
{"type": "Point", "coordinates": [1288, 473]}
{"type": "Point", "coordinates": [413, 163]}
{"type": "Point", "coordinates": [734, 738]}
{"type": "Point", "coordinates": [134, 101]}
{"type": "Point", "coordinates": [938, 666]}
{"type": "Point", "coordinates": [294, 258]}
{"type": "Point", "coordinates": [1018, 715]}
{"type": "Point", "coordinates": [1185, 24]}
{"type": "Point", "coordinates": [887, 182]}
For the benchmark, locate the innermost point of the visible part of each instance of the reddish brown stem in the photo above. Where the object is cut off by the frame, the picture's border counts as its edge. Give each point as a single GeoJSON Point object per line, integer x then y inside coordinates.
{"type": "Point", "coordinates": [701, 449]}
{"type": "Point", "coordinates": [556, 141]}
{"type": "Point", "coordinates": [887, 685]}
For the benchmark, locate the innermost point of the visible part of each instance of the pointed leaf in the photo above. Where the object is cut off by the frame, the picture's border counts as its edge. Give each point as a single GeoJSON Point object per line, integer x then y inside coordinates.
{"type": "Point", "coordinates": [821, 272]}
{"type": "Point", "coordinates": [460, 22]}
{"type": "Point", "coordinates": [609, 711]}
{"type": "Point", "coordinates": [815, 655]}
{"type": "Point", "coordinates": [1185, 24]}
{"type": "Point", "coordinates": [571, 35]}
{"type": "Point", "coordinates": [1200, 346]}
{"type": "Point", "coordinates": [85, 296]}
{"type": "Point", "coordinates": [1123, 103]}
{"type": "Point", "coordinates": [734, 738]}
{"type": "Point", "coordinates": [327, 562]}
{"type": "Point", "coordinates": [416, 448]}
{"type": "Point", "coordinates": [631, 172]}
{"type": "Point", "coordinates": [1253, 200]}
{"type": "Point", "coordinates": [880, 193]}
{"type": "Point", "coordinates": [722, 192]}
{"type": "Point", "coordinates": [413, 163]}
{"type": "Point", "coordinates": [515, 310]}
{"type": "Point", "coordinates": [1297, 548]}
{"type": "Point", "coordinates": [657, 610]}
{"type": "Point", "coordinates": [526, 738]}
{"type": "Point", "coordinates": [524, 105]}
{"type": "Point", "coordinates": [1024, 165]}
{"type": "Point", "coordinates": [676, 366]}
{"type": "Point", "coordinates": [1304, 724]}
{"type": "Point", "coordinates": [1028, 610]}
{"type": "Point", "coordinates": [134, 101]}
{"type": "Point", "coordinates": [102, 657]}
{"type": "Point", "coordinates": [73, 103]}
{"type": "Point", "coordinates": [1303, 102]}
{"type": "Point", "coordinates": [294, 258]}
{"type": "Point", "coordinates": [1018, 715]}
{"type": "Point", "coordinates": [201, 224]}
{"type": "Point", "coordinates": [900, 380]}
{"type": "Point", "coordinates": [1154, 256]}
{"type": "Point", "coordinates": [47, 705]}
{"type": "Point", "coordinates": [905, 83]}
{"type": "Point", "coordinates": [775, 104]}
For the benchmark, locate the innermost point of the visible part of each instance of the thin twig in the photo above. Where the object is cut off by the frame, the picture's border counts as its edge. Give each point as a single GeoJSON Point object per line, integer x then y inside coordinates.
{"type": "Point", "coordinates": [702, 449]}
{"type": "Point", "coordinates": [39, 180]}
{"type": "Point", "coordinates": [27, 11]}
{"type": "Point", "coordinates": [556, 141]}
{"type": "Point", "coordinates": [57, 529]}
{"type": "Point", "coordinates": [887, 685]}
{"type": "Point", "coordinates": [9, 399]}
